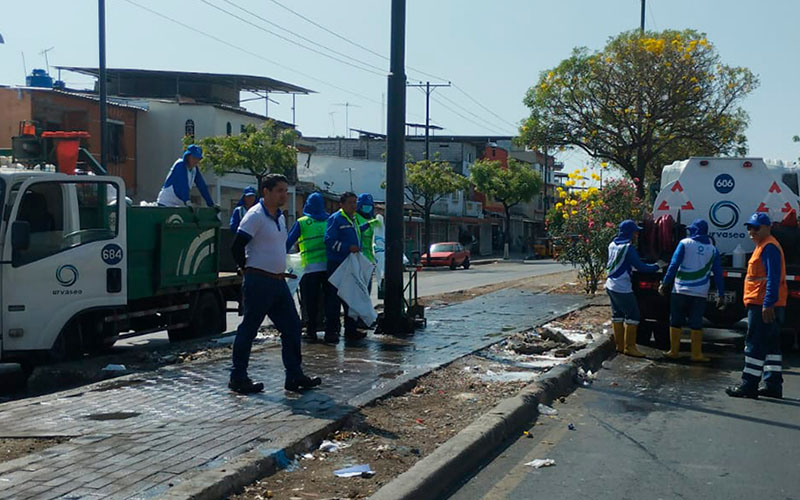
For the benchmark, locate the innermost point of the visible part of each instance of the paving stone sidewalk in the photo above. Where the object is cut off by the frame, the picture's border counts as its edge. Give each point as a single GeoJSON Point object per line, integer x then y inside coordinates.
{"type": "Point", "coordinates": [141, 435]}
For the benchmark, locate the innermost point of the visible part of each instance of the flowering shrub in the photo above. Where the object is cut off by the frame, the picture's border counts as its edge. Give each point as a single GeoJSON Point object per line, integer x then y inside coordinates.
{"type": "Point", "coordinates": [583, 223]}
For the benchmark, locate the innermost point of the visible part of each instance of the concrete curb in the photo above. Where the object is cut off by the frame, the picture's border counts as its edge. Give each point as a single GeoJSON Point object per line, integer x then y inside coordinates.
{"type": "Point", "coordinates": [483, 262]}
{"type": "Point", "coordinates": [257, 464]}
{"type": "Point", "coordinates": [438, 473]}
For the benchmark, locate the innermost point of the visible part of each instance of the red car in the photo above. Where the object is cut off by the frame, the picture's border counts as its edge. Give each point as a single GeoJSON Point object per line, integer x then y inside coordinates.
{"type": "Point", "coordinates": [448, 253]}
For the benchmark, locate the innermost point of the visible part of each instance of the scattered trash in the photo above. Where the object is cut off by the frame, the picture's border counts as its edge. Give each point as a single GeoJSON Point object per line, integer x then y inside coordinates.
{"type": "Point", "coordinates": [606, 365]}
{"type": "Point", "coordinates": [362, 470]}
{"type": "Point", "coordinates": [562, 399]}
{"type": "Point", "coordinates": [114, 368]}
{"type": "Point", "coordinates": [420, 421]}
{"type": "Point", "coordinates": [418, 389]}
{"type": "Point", "coordinates": [328, 446]}
{"type": "Point", "coordinates": [571, 427]}
{"type": "Point", "coordinates": [547, 410]}
{"type": "Point", "coordinates": [585, 378]}
{"type": "Point", "coordinates": [224, 340]}
{"type": "Point", "coordinates": [541, 462]}
{"type": "Point", "coordinates": [308, 456]}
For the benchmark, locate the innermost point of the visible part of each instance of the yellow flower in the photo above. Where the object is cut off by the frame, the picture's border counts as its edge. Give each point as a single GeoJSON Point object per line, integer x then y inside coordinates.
{"type": "Point", "coordinates": [604, 164]}
{"type": "Point", "coordinates": [693, 79]}
{"type": "Point", "coordinates": [549, 75]}
{"type": "Point", "coordinates": [593, 190]}
{"type": "Point", "coordinates": [559, 205]}
{"type": "Point", "coordinates": [574, 212]}
{"type": "Point", "coordinates": [573, 202]}
{"type": "Point", "coordinates": [543, 86]}
{"type": "Point", "coordinates": [562, 194]}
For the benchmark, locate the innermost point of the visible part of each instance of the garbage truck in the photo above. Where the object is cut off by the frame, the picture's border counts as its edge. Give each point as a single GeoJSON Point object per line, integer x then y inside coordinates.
{"type": "Point", "coordinates": [82, 269]}
{"type": "Point", "coordinates": [724, 192]}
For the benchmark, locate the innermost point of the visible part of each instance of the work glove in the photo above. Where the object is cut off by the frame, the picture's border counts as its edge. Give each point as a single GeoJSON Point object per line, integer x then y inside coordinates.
{"type": "Point", "coordinates": [720, 302]}
{"type": "Point", "coordinates": [663, 289]}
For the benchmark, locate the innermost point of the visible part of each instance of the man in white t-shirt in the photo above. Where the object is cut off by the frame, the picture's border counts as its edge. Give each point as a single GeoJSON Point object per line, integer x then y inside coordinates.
{"type": "Point", "coordinates": [259, 249]}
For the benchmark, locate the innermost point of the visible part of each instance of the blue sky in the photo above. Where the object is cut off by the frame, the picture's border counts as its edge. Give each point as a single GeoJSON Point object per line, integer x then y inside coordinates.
{"type": "Point", "coordinates": [492, 51]}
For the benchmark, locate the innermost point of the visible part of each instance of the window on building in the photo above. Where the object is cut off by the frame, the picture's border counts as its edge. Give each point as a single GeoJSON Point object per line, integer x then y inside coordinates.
{"type": "Point", "coordinates": [454, 197]}
{"type": "Point", "coordinates": [359, 153]}
{"type": "Point", "coordinates": [241, 129]}
{"type": "Point", "coordinates": [188, 128]}
{"type": "Point", "coordinates": [228, 129]}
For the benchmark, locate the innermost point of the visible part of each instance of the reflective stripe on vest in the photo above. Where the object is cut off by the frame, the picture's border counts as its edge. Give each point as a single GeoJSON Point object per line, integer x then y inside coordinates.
{"type": "Point", "coordinates": [616, 257]}
{"type": "Point", "coordinates": [755, 284]}
{"type": "Point", "coordinates": [311, 240]}
{"type": "Point", "coordinates": [693, 273]}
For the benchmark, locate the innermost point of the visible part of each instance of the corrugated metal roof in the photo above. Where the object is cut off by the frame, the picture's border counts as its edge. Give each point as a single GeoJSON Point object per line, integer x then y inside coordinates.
{"type": "Point", "coordinates": [243, 82]}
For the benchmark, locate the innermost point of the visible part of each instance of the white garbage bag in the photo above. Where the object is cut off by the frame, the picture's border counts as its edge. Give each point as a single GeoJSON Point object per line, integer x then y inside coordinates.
{"type": "Point", "coordinates": [379, 249]}
{"type": "Point", "coordinates": [294, 266]}
{"type": "Point", "coordinates": [351, 278]}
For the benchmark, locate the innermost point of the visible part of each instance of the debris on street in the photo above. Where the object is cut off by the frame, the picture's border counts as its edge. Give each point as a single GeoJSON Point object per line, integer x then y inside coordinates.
{"type": "Point", "coordinates": [541, 462]}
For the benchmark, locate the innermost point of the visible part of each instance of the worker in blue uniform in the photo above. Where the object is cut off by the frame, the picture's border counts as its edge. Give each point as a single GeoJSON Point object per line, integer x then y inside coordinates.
{"type": "Point", "coordinates": [315, 289]}
{"type": "Point", "coordinates": [765, 296]}
{"type": "Point", "coordinates": [622, 258]}
{"type": "Point", "coordinates": [182, 176]}
{"type": "Point", "coordinates": [342, 237]}
{"type": "Point", "coordinates": [692, 263]}
{"type": "Point", "coordinates": [247, 200]}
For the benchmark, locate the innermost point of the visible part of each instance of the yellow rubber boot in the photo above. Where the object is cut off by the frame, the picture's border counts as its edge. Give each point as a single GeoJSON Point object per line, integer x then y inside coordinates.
{"type": "Point", "coordinates": [619, 336]}
{"type": "Point", "coordinates": [630, 341]}
{"type": "Point", "coordinates": [697, 347]}
{"type": "Point", "coordinates": [674, 343]}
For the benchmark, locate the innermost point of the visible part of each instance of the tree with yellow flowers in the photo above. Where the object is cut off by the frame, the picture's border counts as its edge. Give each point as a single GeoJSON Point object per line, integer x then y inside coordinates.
{"type": "Point", "coordinates": [584, 221]}
{"type": "Point", "coordinates": [643, 101]}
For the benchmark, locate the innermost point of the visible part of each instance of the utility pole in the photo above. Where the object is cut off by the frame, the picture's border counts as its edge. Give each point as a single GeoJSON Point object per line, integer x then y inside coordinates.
{"type": "Point", "coordinates": [429, 88]}
{"type": "Point", "coordinates": [641, 23]}
{"type": "Point", "coordinates": [101, 13]}
{"type": "Point", "coordinates": [294, 121]}
{"type": "Point", "coordinates": [46, 60]}
{"type": "Point", "coordinates": [394, 315]}
{"type": "Point", "coordinates": [347, 107]}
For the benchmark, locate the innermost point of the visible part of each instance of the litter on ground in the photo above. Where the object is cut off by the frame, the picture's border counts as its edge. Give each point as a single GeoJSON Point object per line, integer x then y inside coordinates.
{"type": "Point", "coordinates": [541, 462]}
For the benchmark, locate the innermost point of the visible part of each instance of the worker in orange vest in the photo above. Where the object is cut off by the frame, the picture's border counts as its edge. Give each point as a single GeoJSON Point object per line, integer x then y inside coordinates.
{"type": "Point", "coordinates": [765, 293]}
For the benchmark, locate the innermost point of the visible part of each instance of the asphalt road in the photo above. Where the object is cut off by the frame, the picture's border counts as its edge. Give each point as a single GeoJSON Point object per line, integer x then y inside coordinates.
{"type": "Point", "coordinates": [431, 281]}
{"type": "Point", "coordinates": [657, 430]}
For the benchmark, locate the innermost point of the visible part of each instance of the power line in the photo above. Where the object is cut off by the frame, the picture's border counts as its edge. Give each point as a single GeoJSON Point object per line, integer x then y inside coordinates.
{"type": "Point", "coordinates": [380, 71]}
{"type": "Point", "coordinates": [482, 125]}
{"type": "Point", "coordinates": [470, 112]}
{"type": "Point", "coordinates": [351, 42]}
{"type": "Point", "coordinates": [246, 51]}
{"type": "Point", "coordinates": [484, 107]}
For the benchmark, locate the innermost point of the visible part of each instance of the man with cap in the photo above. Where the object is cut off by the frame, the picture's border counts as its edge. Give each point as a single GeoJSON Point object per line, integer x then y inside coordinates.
{"type": "Point", "coordinates": [184, 173]}
{"type": "Point", "coordinates": [247, 200]}
{"type": "Point", "coordinates": [690, 268]}
{"type": "Point", "coordinates": [622, 257]}
{"type": "Point", "coordinates": [765, 294]}
{"type": "Point", "coordinates": [309, 234]}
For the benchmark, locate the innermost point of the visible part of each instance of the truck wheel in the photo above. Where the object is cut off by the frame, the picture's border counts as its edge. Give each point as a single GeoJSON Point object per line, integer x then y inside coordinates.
{"type": "Point", "coordinates": [206, 318]}
{"type": "Point", "coordinates": [68, 345]}
{"type": "Point", "coordinates": [644, 332]}
{"type": "Point", "coordinates": [466, 263]}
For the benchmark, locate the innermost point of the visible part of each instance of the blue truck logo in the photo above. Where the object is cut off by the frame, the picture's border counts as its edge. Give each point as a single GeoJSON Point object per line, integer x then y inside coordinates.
{"type": "Point", "coordinates": [724, 214]}
{"type": "Point", "coordinates": [67, 275]}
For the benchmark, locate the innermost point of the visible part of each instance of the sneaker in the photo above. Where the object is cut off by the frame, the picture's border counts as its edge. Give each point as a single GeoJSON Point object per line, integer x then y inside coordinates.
{"type": "Point", "coordinates": [301, 383]}
{"type": "Point", "coordinates": [245, 386]}
{"type": "Point", "coordinates": [737, 391]}
{"type": "Point", "coordinates": [771, 392]}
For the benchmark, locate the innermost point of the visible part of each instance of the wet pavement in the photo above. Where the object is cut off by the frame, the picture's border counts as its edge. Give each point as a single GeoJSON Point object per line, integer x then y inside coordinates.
{"type": "Point", "coordinates": [657, 430]}
{"type": "Point", "coordinates": [137, 436]}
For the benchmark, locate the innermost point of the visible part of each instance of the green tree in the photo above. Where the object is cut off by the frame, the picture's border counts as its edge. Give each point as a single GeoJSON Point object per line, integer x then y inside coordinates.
{"type": "Point", "coordinates": [643, 101]}
{"type": "Point", "coordinates": [255, 151]}
{"type": "Point", "coordinates": [428, 181]}
{"type": "Point", "coordinates": [510, 185]}
{"type": "Point", "coordinates": [584, 222]}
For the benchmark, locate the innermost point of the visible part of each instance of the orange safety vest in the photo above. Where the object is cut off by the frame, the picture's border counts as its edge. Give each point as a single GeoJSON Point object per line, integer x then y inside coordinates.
{"type": "Point", "coordinates": [755, 283]}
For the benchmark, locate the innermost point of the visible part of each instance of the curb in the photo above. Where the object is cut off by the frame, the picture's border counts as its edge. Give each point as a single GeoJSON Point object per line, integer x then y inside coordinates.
{"type": "Point", "coordinates": [249, 467]}
{"type": "Point", "coordinates": [483, 262]}
{"type": "Point", "coordinates": [438, 473]}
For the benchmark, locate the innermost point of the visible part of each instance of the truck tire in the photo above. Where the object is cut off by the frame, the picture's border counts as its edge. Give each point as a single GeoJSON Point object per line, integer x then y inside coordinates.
{"type": "Point", "coordinates": [206, 318]}
{"type": "Point", "coordinates": [68, 345]}
{"type": "Point", "coordinates": [661, 336]}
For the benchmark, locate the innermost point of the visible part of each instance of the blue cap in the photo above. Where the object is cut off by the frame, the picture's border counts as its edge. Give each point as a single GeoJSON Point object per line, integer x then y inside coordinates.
{"type": "Point", "coordinates": [758, 219]}
{"type": "Point", "coordinates": [628, 226]}
{"type": "Point", "coordinates": [698, 228]}
{"type": "Point", "coordinates": [249, 191]}
{"type": "Point", "coordinates": [195, 151]}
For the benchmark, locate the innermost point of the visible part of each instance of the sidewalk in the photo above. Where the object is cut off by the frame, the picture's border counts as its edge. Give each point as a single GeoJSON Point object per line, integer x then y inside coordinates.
{"type": "Point", "coordinates": [178, 428]}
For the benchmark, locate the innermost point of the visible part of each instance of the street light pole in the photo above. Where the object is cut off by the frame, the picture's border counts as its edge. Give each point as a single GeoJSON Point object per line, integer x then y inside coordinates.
{"type": "Point", "coordinates": [395, 174]}
{"type": "Point", "coordinates": [101, 13]}
{"type": "Point", "coordinates": [641, 23]}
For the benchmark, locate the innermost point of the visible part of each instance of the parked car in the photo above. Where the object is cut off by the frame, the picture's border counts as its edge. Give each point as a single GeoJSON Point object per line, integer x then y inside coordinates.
{"type": "Point", "coordinates": [449, 253]}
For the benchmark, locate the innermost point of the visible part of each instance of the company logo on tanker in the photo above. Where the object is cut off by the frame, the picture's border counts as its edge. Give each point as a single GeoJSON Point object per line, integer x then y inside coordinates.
{"type": "Point", "coordinates": [724, 214]}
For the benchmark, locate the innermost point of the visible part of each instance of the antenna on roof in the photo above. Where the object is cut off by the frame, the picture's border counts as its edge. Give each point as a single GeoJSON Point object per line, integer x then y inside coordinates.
{"type": "Point", "coordinates": [46, 62]}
